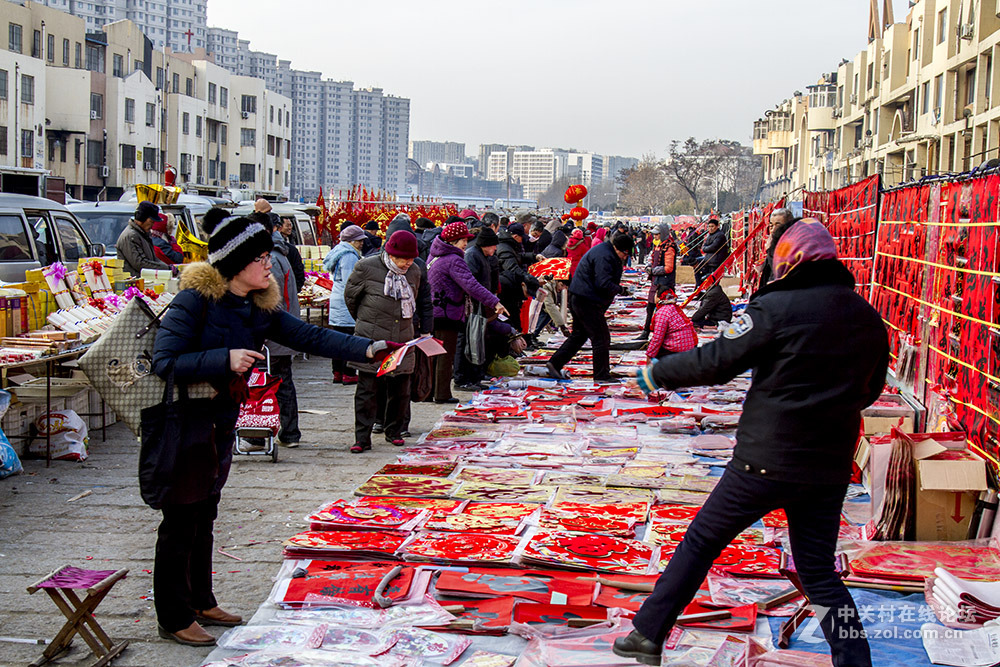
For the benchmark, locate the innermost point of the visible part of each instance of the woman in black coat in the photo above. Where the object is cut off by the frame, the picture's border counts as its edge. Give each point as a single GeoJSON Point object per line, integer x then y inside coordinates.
{"type": "Point", "coordinates": [213, 332]}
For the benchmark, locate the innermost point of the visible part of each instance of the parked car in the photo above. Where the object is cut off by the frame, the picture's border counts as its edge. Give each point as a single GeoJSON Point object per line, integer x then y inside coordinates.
{"type": "Point", "coordinates": [35, 232]}
{"type": "Point", "coordinates": [303, 230]}
{"type": "Point", "coordinates": [196, 204]}
{"type": "Point", "coordinates": [104, 221]}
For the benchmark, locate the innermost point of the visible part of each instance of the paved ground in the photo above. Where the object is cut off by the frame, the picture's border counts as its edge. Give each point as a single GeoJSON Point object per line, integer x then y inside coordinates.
{"type": "Point", "coordinates": [262, 504]}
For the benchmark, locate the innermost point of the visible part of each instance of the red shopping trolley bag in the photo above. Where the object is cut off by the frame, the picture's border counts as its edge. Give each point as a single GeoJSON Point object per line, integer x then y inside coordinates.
{"type": "Point", "coordinates": [260, 410]}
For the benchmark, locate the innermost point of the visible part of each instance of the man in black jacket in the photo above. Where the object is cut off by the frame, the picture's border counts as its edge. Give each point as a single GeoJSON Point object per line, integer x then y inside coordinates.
{"type": "Point", "coordinates": [819, 355]}
{"type": "Point", "coordinates": [595, 285]}
{"type": "Point", "coordinates": [715, 307]}
{"type": "Point", "coordinates": [467, 375]}
{"type": "Point", "coordinates": [715, 250]}
{"type": "Point", "coordinates": [514, 279]}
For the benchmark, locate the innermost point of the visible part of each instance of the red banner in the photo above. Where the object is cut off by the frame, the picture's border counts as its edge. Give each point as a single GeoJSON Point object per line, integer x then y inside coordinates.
{"type": "Point", "coordinates": [851, 215]}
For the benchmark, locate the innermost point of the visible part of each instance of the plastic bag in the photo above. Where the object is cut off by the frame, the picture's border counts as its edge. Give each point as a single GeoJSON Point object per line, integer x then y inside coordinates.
{"type": "Point", "coordinates": [503, 367]}
{"type": "Point", "coordinates": [67, 436]}
{"type": "Point", "coordinates": [10, 464]}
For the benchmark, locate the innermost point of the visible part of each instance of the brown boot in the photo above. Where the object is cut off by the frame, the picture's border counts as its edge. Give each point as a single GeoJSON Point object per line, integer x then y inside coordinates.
{"type": "Point", "coordinates": [192, 635]}
{"type": "Point", "coordinates": [216, 616]}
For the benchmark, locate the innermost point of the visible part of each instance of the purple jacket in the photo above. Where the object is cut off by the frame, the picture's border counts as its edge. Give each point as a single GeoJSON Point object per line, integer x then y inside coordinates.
{"type": "Point", "coordinates": [451, 281]}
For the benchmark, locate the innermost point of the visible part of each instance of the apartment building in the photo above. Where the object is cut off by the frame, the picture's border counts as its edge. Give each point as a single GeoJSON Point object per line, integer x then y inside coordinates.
{"type": "Point", "coordinates": [447, 152]}
{"type": "Point", "coordinates": [105, 110]}
{"type": "Point", "coordinates": [177, 24]}
{"type": "Point", "coordinates": [340, 136]}
{"type": "Point", "coordinates": [920, 98]}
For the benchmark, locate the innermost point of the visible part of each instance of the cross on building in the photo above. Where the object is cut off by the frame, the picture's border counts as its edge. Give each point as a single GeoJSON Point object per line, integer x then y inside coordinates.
{"type": "Point", "coordinates": [189, 36]}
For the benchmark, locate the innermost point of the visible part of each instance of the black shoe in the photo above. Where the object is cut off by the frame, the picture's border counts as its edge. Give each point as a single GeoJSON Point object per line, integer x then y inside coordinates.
{"type": "Point", "coordinates": [449, 401]}
{"type": "Point", "coordinates": [377, 428]}
{"type": "Point", "coordinates": [470, 387]}
{"type": "Point", "coordinates": [635, 646]}
{"type": "Point", "coordinates": [405, 434]}
{"type": "Point", "coordinates": [608, 379]}
{"type": "Point", "coordinates": [555, 373]}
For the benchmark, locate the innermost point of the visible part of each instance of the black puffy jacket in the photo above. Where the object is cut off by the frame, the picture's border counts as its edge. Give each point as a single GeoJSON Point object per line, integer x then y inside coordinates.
{"type": "Point", "coordinates": [819, 354]}
{"type": "Point", "coordinates": [203, 323]}
{"type": "Point", "coordinates": [715, 248]}
{"type": "Point", "coordinates": [513, 259]}
{"type": "Point", "coordinates": [598, 276]}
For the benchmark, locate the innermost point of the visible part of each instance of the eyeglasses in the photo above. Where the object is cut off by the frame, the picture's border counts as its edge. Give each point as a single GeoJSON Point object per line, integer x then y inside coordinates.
{"type": "Point", "coordinates": [263, 259]}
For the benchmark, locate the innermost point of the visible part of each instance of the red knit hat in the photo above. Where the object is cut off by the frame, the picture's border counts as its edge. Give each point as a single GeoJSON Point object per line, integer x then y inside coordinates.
{"type": "Point", "coordinates": [468, 213]}
{"type": "Point", "coordinates": [455, 231]}
{"type": "Point", "coordinates": [403, 244]}
{"type": "Point", "coordinates": [161, 224]}
{"type": "Point", "coordinates": [591, 226]}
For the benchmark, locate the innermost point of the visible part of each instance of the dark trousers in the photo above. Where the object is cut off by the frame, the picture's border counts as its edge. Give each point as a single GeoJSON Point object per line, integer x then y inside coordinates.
{"type": "Point", "coordinates": [513, 301]}
{"type": "Point", "coordinates": [182, 569]}
{"type": "Point", "coordinates": [543, 320]}
{"type": "Point", "coordinates": [382, 403]}
{"type": "Point", "coordinates": [647, 328]}
{"type": "Point", "coordinates": [366, 408]}
{"type": "Point", "coordinates": [465, 371]}
{"type": "Point", "coordinates": [339, 365]}
{"type": "Point", "coordinates": [588, 323]}
{"type": "Point", "coordinates": [444, 363]}
{"type": "Point", "coordinates": [288, 402]}
{"type": "Point", "coordinates": [702, 273]}
{"type": "Point", "coordinates": [740, 499]}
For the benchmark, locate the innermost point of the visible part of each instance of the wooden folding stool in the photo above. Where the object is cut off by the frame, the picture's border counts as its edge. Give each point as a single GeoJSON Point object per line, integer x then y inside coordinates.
{"type": "Point", "coordinates": [787, 568]}
{"type": "Point", "coordinates": [80, 613]}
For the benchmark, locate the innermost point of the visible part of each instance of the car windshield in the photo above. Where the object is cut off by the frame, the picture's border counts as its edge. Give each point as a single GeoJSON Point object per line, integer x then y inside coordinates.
{"type": "Point", "coordinates": [104, 226]}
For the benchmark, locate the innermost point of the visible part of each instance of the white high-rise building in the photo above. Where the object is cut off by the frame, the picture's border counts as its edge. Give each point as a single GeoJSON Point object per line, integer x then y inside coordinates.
{"type": "Point", "coordinates": [585, 168]}
{"type": "Point", "coordinates": [224, 45]}
{"type": "Point", "coordinates": [448, 152]}
{"type": "Point", "coordinates": [614, 164]}
{"type": "Point", "coordinates": [179, 24]}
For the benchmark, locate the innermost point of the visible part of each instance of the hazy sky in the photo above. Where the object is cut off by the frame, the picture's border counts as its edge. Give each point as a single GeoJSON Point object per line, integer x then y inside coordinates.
{"type": "Point", "coordinates": [618, 77]}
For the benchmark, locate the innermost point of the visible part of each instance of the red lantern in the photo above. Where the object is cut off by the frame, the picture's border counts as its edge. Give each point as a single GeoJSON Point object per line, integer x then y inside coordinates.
{"type": "Point", "coordinates": [565, 216]}
{"type": "Point", "coordinates": [574, 194]}
{"type": "Point", "coordinates": [579, 213]}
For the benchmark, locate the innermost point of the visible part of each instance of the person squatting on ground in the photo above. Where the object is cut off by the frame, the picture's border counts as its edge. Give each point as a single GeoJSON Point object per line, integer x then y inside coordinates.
{"type": "Point", "coordinates": [672, 330]}
{"type": "Point", "coordinates": [213, 332]}
{"type": "Point", "coordinates": [819, 354]}
{"type": "Point", "coordinates": [381, 296]}
{"type": "Point", "coordinates": [662, 270]}
{"type": "Point", "coordinates": [715, 307]}
{"type": "Point", "coordinates": [451, 285]}
{"type": "Point", "coordinates": [339, 263]}
{"type": "Point", "coordinates": [594, 287]}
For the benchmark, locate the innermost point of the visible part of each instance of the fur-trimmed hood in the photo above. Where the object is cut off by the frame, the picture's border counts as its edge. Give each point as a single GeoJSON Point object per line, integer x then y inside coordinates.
{"type": "Point", "coordinates": [207, 281]}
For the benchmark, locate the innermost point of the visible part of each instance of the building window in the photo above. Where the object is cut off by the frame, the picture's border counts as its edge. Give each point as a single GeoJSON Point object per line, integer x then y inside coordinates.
{"type": "Point", "coordinates": [212, 93]}
{"type": "Point", "coordinates": [223, 97]}
{"type": "Point", "coordinates": [78, 56]}
{"type": "Point", "coordinates": [129, 110]}
{"type": "Point", "coordinates": [27, 89]}
{"type": "Point", "coordinates": [128, 156]}
{"type": "Point", "coordinates": [222, 171]}
{"type": "Point", "coordinates": [970, 87]}
{"type": "Point", "coordinates": [213, 132]}
{"type": "Point", "coordinates": [197, 126]}
{"type": "Point", "coordinates": [925, 97]}
{"type": "Point", "coordinates": [176, 81]}
{"type": "Point", "coordinates": [36, 44]}
{"type": "Point", "coordinates": [14, 37]}
{"type": "Point", "coordinates": [118, 66]}
{"type": "Point", "coordinates": [186, 123]}
{"type": "Point", "coordinates": [199, 167]}
{"type": "Point", "coordinates": [223, 134]}
{"type": "Point", "coordinates": [3, 84]}
{"type": "Point", "coordinates": [62, 152]}
{"type": "Point", "coordinates": [50, 49]}
{"type": "Point", "coordinates": [95, 153]}
{"type": "Point", "coordinates": [938, 92]}
{"type": "Point", "coordinates": [271, 116]}
{"type": "Point", "coordinates": [248, 137]}
{"type": "Point", "coordinates": [137, 66]}
{"type": "Point", "coordinates": [149, 159]}
{"type": "Point", "coordinates": [248, 172]}
{"type": "Point", "coordinates": [150, 114]}
{"type": "Point", "coordinates": [248, 104]}
{"type": "Point", "coordinates": [27, 143]}
{"type": "Point", "coordinates": [3, 140]}
{"type": "Point", "coordinates": [96, 105]}
{"type": "Point", "coordinates": [942, 25]}
{"type": "Point", "coordinates": [95, 58]}
{"type": "Point", "coordinates": [160, 78]}
{"type": "Point", "coordinates": [65, 55]}
{"type": "Point", "coordinates": [189, 87]}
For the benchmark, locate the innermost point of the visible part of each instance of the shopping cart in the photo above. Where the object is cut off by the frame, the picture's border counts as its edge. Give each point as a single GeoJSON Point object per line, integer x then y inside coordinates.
{"type": "Point", "coordinates": [260, 417]}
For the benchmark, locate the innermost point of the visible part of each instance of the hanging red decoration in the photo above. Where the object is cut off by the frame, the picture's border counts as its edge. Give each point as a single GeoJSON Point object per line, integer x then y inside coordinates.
{"type": "Point", "coordinates": [579, 213]}
{"type": "Point", "coordinates": [565, 216]}
{"type": "Point", "coordinates": [575, 193]}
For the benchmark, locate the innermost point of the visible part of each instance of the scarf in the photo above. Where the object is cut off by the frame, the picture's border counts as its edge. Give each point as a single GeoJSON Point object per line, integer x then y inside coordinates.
{"type": "Point", "coordinates": [397, 287]}
{"type": "Point", "coordinates": [805, 241]}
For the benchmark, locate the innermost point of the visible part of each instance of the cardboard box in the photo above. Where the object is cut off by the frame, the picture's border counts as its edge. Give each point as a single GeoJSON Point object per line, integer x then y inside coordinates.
{"type": "Point", "coordinates": [685, 275]}
{"type": "Point", "coordinates": [878, 419]}
{"type": "Point", "coordinates": [948, 484]}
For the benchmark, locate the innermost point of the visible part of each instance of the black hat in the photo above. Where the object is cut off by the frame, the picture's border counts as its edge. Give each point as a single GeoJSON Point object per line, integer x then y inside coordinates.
{"type": "Point", "coordinates": [487, 237]}
{"type": "Point", "coordinates": [234, 242]}
{"type": "Point", "coordinates": [623, 243]}
{"type": "Point", "coordinates": [145, 211]}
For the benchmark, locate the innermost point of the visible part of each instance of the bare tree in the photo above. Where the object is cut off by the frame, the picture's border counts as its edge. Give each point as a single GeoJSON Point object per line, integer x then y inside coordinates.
{"type": "Point", "coordinates": [701, 167]}
{"type": "Point", "coordinates": [644, 188]}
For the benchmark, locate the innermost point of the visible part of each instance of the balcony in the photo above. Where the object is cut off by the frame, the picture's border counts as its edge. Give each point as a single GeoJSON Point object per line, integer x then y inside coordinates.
{"type": "Point", "coordinates": [779, 130]}
{"type": "Point", "coordinates": [760, 138]}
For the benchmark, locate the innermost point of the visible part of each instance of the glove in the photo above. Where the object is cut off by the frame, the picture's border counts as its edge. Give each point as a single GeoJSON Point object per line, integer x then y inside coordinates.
{"type": "Point", "coordinates": [518, 345]}
{"type": "Point", "coordinates": [644, 378]}
{"type": "Point", "coordinates": [381, 349]}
